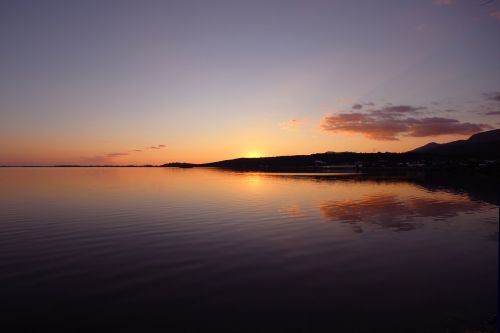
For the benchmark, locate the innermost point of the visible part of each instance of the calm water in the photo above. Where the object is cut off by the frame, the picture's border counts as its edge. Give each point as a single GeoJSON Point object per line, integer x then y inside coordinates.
{"type": "Point", "coordinates": [205, 250]}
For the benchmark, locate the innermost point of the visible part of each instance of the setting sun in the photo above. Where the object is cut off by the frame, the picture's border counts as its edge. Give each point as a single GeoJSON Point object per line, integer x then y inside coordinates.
{"type": "Point", "coordinates": [254, 154]}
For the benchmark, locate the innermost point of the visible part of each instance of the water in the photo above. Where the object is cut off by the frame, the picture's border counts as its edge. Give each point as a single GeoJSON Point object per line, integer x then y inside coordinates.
{"type": "Point", "coordinates": [208, 250]}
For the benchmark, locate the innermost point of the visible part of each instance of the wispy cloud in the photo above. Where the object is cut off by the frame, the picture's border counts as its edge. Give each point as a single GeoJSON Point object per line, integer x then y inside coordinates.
{"type": "Point", "coordinates": [116, 154]}
{"type": "Point", "coordinates": [493, 96]}
{"type": "Point", "coordinates": [156, 147]}
{"type": "Point", "coordinates": [493, 113]}
{"type": "Point", "coordinates": [393, 121]}
{"type": "Point", "coordinates": [398, 110]}
{"type": "Point", "coordinates": [357, 106]}
{"type": "Point", "coordinates": [106, 157]}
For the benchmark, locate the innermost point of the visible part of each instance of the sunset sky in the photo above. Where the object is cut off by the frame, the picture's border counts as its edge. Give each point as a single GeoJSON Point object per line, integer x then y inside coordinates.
{"type": "Point", "coordinates": [151, 82]}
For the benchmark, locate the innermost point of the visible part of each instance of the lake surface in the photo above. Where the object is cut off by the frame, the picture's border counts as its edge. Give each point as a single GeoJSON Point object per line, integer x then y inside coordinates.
{"type": "Point", "coordinates": [201, 250]}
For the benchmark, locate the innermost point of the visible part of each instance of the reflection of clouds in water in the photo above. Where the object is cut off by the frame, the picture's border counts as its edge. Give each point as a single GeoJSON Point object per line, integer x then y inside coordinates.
{"type": "Point", "coordinates": [393, 212]}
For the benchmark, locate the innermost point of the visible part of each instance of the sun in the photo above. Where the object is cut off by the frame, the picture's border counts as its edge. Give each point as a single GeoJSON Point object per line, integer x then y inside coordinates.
{"type": "Point", "coordinates": [253, 154]}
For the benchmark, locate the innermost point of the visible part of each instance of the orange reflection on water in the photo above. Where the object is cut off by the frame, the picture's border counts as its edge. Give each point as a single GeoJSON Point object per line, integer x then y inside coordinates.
{"type": "Point", "coordinates": [293, 210]}
{"type": "Point", "coordinates": [397, 204]}
{"type": "Point", "coordinates": [252, 179]}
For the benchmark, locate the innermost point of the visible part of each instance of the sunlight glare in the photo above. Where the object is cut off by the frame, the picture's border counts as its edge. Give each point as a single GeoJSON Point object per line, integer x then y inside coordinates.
{"type": "Point", "coordinates": [254, 154]}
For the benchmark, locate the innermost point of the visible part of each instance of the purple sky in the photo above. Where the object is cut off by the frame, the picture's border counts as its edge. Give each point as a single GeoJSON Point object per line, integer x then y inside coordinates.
{"type": "Point", "coordinates": [112, 81]}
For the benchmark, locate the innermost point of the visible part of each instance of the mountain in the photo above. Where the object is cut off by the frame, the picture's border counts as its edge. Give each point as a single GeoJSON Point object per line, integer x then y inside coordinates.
{"type": "Point", "coordinates": [484, 144]}
{"type": "Point", "coordinates": [425, 148]}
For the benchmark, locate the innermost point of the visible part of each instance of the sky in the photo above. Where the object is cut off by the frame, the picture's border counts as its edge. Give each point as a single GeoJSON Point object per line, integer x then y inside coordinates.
{"type": "Point", "coordinates": [151, 82]}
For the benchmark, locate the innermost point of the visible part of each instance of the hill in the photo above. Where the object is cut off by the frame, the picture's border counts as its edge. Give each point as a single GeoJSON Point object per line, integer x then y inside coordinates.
{"type": "Point", "coordinates": [484, 144]}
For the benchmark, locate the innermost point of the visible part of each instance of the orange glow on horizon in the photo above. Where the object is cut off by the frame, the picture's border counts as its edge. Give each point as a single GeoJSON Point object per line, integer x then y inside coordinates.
{"type": "Point", "coordinates": [124, 150]}
{"type": "Point", "coordinates": [254, 154]}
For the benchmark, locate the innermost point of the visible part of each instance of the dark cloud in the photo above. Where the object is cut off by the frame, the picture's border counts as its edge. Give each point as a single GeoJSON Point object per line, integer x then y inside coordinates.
{"type": "Point", "coordinates": [153, 147]}
{"type": "Point", "coordinates": [493, 113]}
{"type": "Point", "coordinates": [400, 109]}
{"type": "Point", "coordinates": [357, 106]}
{"type": "Point", "coordinates": [161, 146]}
{"type": "Point", "coordinates": [138, 150]}
{"type": "Point", "coordinates": [372, 127]}
{"type": "Point", "coordinates": [493, 96]}
{"type": "Point", "coordinates": [434, 126]}
{"type": "Point", "coordinates": [390, 122]}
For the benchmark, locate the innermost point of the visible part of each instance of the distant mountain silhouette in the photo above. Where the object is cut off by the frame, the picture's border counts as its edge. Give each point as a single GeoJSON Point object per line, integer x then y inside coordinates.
{"type": "Point", "coordinates": [477, 151]}
{"type": "Point", "coordinates": [484, 144]}
{"type": "Point", "coordinates": [426, 147]}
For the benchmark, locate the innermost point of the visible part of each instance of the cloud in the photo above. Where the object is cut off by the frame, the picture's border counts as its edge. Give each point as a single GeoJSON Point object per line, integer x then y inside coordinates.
{"type": "Point", "coordinates": [442, 2]}
{"type": "Point", "coordinates": [102, 159]}
{"type": "Point", "coordinates": [398, 110]}
{"type": "Point", "coordinates": [493, 113]}
{"type": "Point", "coordinates": [435, 126]}
{"type": "Point", "coordinates": [357, 106]}
{"type": "Point", "coordinates": [156, 147]}
{"type": "Point", "coordinates": [495, 14]}
{"type": "Point", "coordinates": [493, 96]}
{"type": "Point", "coordinates": [292, 124]}
{"type": "Point", "coordinates": [391, 122]}
{"type": "Point", "coordinates": [116, 154]}
{"type": "Point", "coordinates": [371, 127]}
